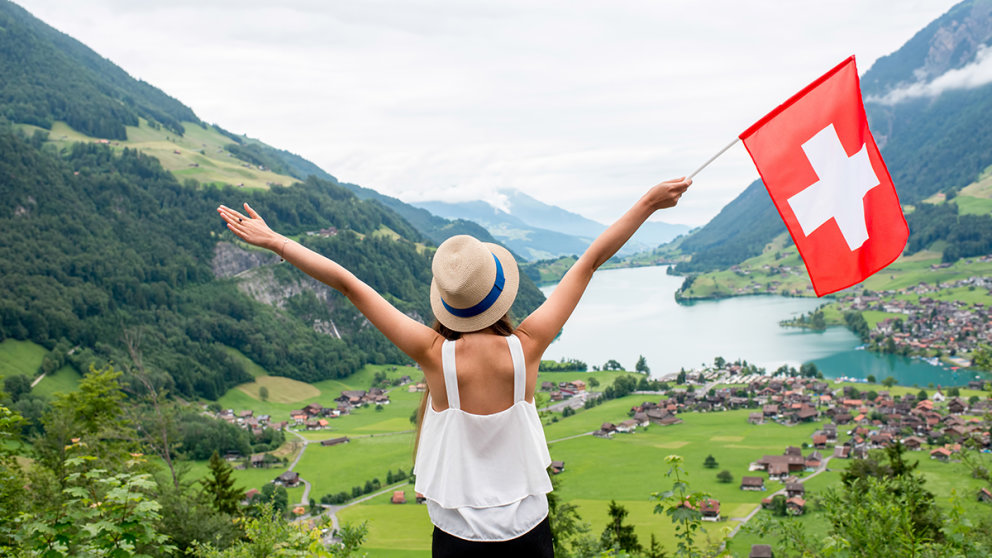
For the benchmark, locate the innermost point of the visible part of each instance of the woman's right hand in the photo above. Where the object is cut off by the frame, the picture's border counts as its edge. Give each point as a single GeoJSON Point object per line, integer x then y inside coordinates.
{"type": "Point", "coordinates": [668, 193]}
{"type": "Point", "coordinates": [251, 228]}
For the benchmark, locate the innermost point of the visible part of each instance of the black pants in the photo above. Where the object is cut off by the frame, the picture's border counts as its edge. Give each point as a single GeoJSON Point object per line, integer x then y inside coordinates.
{"type": "Point", "coordinates": [535, 543]}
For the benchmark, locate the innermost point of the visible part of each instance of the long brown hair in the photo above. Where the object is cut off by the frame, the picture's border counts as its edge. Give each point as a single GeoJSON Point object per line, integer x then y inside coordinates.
{"type": "Point", "coordinates": [502, 327]}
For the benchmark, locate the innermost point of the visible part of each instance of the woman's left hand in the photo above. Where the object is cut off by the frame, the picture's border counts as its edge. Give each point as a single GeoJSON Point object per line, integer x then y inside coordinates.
{"type": "Point", "coordinates": [251, 228]}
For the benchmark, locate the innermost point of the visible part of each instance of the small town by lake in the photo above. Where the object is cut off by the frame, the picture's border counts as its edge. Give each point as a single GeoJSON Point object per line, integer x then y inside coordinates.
{"type": "Point", "coordinates": [626, 313]}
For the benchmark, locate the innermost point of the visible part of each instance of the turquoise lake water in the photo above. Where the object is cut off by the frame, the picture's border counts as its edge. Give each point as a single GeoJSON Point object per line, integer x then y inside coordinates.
{"type": "Point", "coordinates": [626, 313]}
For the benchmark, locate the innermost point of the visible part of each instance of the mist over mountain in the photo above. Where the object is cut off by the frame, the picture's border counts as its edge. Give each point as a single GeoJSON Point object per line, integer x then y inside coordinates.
{"type": "Point", "coordinates": [537, 230]}
{"type": "Point", "coordinates": [927, 104]}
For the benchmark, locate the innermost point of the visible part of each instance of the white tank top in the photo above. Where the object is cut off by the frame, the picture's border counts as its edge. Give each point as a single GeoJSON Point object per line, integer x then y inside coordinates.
{"type": "Point", "coordinates": [484, 476]}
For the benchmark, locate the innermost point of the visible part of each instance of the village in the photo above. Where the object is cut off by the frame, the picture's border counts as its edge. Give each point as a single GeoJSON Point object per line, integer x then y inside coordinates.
{"type": "Point", "coordinates": [932, 327]}
{"type": "Point", "coordinates": [939, 425]}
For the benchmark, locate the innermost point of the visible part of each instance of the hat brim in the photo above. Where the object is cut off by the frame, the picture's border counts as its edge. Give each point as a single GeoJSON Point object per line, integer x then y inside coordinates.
{"type": "Point", "coordinates": [492, 314]}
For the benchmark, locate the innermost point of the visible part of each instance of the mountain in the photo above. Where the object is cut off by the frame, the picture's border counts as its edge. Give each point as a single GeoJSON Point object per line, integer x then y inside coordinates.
{"type": "Point", "coordinates": [540, 231]}
{"type": "Point", "coordinates": [932, 129]}
{"type": "Point", "coordinates": [112, 250]}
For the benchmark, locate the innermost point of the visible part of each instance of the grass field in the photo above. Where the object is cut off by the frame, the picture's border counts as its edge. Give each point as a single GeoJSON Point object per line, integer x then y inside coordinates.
{"type": "Point", "coordinates": [20, 357]}
{"type": "Point", "coordinates": [627, 468]}
{"type": "Point", "coordinates": [64, 380]}
{"type": "Point", "coordinates": [199, 154]}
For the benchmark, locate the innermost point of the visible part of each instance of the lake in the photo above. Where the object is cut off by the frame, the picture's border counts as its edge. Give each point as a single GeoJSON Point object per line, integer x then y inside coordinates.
{"type": "Point", "coordinates": [626, 313]}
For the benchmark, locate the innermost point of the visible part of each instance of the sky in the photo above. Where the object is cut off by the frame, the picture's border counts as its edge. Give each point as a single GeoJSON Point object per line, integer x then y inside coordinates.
{"type": "Point", "coordinates": [582, 104]}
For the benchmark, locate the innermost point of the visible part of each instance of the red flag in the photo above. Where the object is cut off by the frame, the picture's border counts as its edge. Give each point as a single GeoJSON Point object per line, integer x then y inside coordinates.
{"type": "Point", "coordinates": [825, 175]}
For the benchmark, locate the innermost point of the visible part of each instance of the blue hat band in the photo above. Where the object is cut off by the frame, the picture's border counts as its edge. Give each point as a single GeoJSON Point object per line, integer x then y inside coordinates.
{"type": "Point", "coordinates": [486, 302]}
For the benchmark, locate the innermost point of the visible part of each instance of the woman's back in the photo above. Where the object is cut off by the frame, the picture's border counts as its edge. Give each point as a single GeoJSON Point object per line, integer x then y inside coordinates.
{"type": "Point", "coordinates": [485, 375]}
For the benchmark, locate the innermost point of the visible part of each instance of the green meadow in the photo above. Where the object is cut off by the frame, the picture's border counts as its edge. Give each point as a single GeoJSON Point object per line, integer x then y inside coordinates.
{"type": "Point", "coordinates": [20, 357]}
{"type": "Point", "coordinates": [198, 155]}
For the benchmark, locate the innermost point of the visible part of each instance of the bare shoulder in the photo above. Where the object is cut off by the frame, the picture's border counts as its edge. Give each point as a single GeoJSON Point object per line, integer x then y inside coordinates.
{"type": "Point", "coordinates": [532, 345]}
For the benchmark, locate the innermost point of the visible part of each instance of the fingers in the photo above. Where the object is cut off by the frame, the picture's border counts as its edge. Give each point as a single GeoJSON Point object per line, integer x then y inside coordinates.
{"type": "Point", "coordinates": [230, 215]}
{"type": "Point", "coordinates": [251, 212]}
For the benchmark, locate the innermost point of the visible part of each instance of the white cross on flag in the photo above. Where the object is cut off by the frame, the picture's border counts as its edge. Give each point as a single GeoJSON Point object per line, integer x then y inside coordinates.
{"type": "Point", "coordinates": [825, 175]}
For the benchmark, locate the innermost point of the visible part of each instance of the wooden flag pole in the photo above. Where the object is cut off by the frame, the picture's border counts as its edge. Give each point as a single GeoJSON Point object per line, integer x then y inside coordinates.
{"type": "Point", "coordinates": [713, 158]}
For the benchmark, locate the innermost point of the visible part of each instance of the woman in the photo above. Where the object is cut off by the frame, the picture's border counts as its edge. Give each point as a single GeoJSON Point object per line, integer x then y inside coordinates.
{"type": "Point", "coordinates": [482, 456]}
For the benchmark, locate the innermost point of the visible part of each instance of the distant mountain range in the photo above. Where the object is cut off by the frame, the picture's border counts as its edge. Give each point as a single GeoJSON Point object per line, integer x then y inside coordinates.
{"type": "Point", "coordinates": [536, 230]}
{"type": "Point", "coordinates": [928, 106]}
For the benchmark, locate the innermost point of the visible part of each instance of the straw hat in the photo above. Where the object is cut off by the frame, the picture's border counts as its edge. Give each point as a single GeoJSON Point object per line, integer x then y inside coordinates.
{"type": "Point", "coordinates": [474, 283]}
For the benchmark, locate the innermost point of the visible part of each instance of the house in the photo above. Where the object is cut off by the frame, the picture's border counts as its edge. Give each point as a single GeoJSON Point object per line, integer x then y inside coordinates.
{"type": "Point", "coordinates": [628, 425]}
{"type": "Point", "coordinates": [940, 454]}
{"type": "Point", "coordinates": [761, 551]}
{"type": "Point", "coordinates": [249, 495]}
{"type": "Point", "coordinates": [288, 479]}
{"type": "Point", "coordinates": [842, 452]}
{"type": "Point", "coordinates": [335, 441]}
{"type": "Point", "coordinates": [756, 418]}
{"type": "Point", "coordinates": [795, 506]}
{"type": "Point", "coordinates": [398, 497]}
{"type": "Point", "coordinates": [794, 489]}
{"type": "Point", "coordinates": [914, 443]}
{"type": "Point", "coordinates": [710, 509]}
{"type": "Point", "coordinates": [257, 460]}
{"type": "Point", "coordinates": [819, 441]}
{"type": "Point", "coordinates": [557, 467]}
{"type": "Point", "coordinates": [752, 483]}
{"type": "Point", "coordinates": [984, 495]}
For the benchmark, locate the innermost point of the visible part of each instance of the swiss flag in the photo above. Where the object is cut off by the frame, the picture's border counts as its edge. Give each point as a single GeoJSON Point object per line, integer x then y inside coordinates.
{"type": "Point", "coordinates": [825, 175]}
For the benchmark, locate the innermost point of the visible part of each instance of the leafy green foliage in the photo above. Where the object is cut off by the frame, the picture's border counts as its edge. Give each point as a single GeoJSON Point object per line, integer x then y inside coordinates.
{"type": "Point", "coordinates": [682, 507]}
{"type": "Point", "coordinates": [270, 536]}
{"type": "Point", "coordinates": [100, 513]}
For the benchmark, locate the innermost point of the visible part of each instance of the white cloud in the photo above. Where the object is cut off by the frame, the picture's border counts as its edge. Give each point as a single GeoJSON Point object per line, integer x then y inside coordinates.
{"type": "Point", "coordinates": [970, 76]}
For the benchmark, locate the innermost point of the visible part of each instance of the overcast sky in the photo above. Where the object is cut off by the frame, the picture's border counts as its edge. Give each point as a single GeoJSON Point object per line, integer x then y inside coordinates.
{"type": "Point", "coordinates": [579, 103]}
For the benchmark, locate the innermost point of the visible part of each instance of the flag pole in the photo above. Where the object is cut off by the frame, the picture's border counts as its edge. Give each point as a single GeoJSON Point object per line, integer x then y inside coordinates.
{"type": "Point", "coordinates": [713, 158]}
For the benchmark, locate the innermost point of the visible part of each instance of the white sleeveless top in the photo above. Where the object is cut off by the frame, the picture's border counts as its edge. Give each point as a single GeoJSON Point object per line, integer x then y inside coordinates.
{"type": "Point", "coordinates": [484, 476]}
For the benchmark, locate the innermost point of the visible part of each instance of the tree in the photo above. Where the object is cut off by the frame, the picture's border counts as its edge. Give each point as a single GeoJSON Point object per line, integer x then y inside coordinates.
{"type": "Point", "coordinates": [680, 379]}
{"type": "Point", "coordinates": [219, 485]}
{"type": "Point", "coordinates": [16, 386]}
{"type": "Point", "coordinates": [710, 462]}
{"type": "Point", "coordinates": [778, 505]}
{"type": "Point", "coordinates": [617, 535]}
{"type": "Point", "coordinates": [719, 362]}
{"type": "Point", "coordinates": [871, 379]}
{"type": "Point", "coordinates": [889, 382]}
{"type": "Point", "coordinates": [642, 365]}
{"type": "Point", "coordinates": [725, 476]}
{"type": "Point", "coordinates": [263, 393]}
{"type": "Point", "coordinates": [612, 365]}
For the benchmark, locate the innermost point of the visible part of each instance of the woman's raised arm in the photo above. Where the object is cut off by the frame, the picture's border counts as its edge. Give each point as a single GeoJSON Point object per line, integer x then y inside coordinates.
{"type": "Point", "coordinates": [543, 324]}
{"type": "Point", "coordinates": [412, 337]}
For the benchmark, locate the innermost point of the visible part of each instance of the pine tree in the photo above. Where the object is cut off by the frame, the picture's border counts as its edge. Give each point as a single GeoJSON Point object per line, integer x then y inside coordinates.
{"type": "Point", "coordinates": [617, 535]}
{"type": "Point", "coordinates": [220, 486]}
